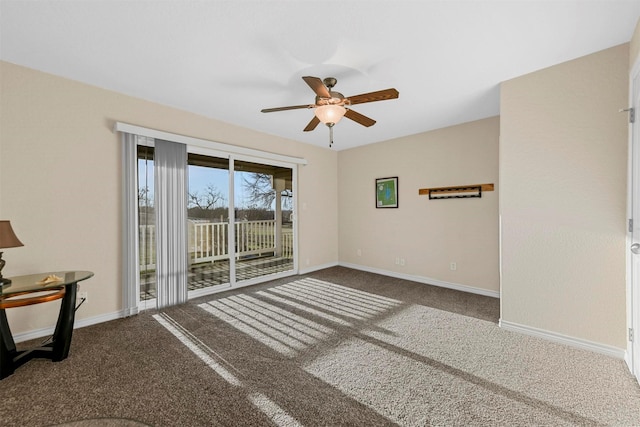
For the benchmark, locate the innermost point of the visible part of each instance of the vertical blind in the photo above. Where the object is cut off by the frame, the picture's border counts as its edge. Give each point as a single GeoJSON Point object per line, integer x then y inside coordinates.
{"type": "Point", "coordinates": [170, 195]}
{"type": "Point", "coordinates": [130, 264]}
{"type": "Point", "coordinates": [170, 168]}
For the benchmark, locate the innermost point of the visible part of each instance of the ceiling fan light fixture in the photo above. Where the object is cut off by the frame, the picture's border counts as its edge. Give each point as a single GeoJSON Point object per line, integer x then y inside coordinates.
{"type": "Point", "coordinates": [330, 106]}
{"type": "Point", "coordinates": [330, 113]}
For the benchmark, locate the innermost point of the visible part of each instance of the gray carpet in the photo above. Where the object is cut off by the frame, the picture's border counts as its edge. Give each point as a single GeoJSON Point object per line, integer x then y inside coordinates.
{"type": "Point", "coordinates": [103, 422]}
{"type": "Point", "coordinates": [335, 347]}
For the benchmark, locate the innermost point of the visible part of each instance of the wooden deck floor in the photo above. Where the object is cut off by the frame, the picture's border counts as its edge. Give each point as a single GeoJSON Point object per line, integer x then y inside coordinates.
{"type": "Point", "coordinates": [217, 273]}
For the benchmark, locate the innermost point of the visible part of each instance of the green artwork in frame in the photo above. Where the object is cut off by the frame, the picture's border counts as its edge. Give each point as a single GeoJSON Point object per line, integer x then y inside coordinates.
{"type": "Point", "coordinates": [387, 192]}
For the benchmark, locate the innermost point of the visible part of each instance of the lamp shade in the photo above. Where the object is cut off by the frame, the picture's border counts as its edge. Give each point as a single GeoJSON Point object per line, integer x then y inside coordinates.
{"type": "Point", "coordinates": [330, 113]}
{"type": "Point", "coordinates": [8, 238]}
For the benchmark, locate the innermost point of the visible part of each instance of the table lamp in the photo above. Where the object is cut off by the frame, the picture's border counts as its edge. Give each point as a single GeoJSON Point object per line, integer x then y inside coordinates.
{"type": "Point", "coordinates": [8, 239]}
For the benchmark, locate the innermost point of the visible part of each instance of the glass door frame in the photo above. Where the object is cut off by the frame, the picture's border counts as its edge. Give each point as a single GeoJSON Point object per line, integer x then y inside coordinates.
{"type": "Point", "coordinates": [130, 138]}
{"type": "Point", "coordinates": [143, 304]}
{"type": "Point", "coordinates": [233, 282]}
{"type": "Point", "coordinates": [633, 235]}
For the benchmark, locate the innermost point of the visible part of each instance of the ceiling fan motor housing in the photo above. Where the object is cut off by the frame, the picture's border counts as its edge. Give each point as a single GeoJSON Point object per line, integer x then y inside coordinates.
{"type": "Point", "coordinates": [336, 99]}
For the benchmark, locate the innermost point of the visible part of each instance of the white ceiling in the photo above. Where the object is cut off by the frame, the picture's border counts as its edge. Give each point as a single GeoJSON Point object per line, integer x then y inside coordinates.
{"type": "Point", "coordinates": [229, 59]}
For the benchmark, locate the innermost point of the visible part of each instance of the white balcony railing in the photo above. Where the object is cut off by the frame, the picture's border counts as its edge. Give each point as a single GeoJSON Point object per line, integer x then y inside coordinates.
{"type": "Point", "coordinates": [209, 241]}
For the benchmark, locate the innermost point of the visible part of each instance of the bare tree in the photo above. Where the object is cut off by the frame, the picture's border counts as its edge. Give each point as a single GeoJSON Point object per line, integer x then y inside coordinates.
{"type": "Point", "coordinates": [260, 189]}
{"type": "Point", "coordinates": [207, 200]}
{"type": "Point", "coordinates": [261, 193]}
{"type": "Point", "coordinates": [145, 198]}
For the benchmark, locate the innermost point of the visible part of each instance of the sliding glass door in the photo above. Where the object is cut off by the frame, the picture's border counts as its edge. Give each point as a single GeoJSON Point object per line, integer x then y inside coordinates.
{"type": "Point", "coordinates": [239, 222]}
{"type": "Point", "coordinates": [263, 205]}
{"type": "Point", "coordinates": [146, 225]}
{"type": "Point", "coordinates": [208, 223]}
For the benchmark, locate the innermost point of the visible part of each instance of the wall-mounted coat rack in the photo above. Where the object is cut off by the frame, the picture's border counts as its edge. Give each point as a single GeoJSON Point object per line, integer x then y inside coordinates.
{"type": "Point", "coordinates": [454, 192]}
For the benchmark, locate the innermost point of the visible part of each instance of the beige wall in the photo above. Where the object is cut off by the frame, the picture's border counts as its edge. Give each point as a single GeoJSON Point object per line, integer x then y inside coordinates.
{"type": "Point", "coordinates": [428, 234]}
{"type": "Point", "coordinates": [60, 180]}
{"type": "Point", "coordinates": [563, 175]}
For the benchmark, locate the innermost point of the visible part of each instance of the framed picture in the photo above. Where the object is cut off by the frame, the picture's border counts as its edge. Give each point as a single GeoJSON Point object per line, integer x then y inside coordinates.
{"type": "Point", "coordinates": [387, 192]}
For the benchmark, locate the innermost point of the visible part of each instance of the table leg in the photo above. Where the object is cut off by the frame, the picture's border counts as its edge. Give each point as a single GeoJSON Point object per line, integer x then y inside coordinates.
{"type": "Point", "coordinates": [7, 347]}
{"type": "Point", "coordinates": [64, 326]}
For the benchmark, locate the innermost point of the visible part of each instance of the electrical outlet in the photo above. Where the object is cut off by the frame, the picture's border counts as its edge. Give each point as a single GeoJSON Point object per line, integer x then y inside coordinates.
{"type": "Point", "coordinates": [359, 252]}
{"type": "Point", "coordinates": [453, 266]}
{"type": "Point", "coordinates": [401, 261]}
{"type": "Point", "coordinates": [397, 261]}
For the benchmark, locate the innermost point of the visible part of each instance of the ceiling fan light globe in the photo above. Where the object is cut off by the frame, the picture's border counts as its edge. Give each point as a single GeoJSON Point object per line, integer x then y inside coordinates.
{"type": "Point", "coordinates": [330, 113]}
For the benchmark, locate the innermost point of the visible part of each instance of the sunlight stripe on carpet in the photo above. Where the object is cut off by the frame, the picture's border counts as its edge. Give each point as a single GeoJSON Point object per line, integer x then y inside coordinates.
{"type": "Point", "coordinates": [279, 416]}
{"type": "Point", "coordinates": [303, 307]}
{"type": "Point", "coordinates": [354, 294]}
{"type": "Point", "coordinates": [196, 346]}
{"type": "Point", "coordinates": [273, 324]}
{"type": "Point", "coordinates": [370, 305]}
{"type": "Point", "coordinates": [267, 328]}
{"type": "Point", "coordinates": [333, 308]}
{"type": "Point", "coordinates": [339, 301]}
{"type": "Point", "coordinates": [299, 324]}
{"type": "Point", "coordinates": [308, 325]}
{"type": "Point", "coordinates": [250, 330]}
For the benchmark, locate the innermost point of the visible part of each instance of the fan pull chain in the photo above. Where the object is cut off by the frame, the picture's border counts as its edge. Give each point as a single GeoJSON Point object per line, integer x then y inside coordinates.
{"type": "Point", "coordinates": [330, 136]}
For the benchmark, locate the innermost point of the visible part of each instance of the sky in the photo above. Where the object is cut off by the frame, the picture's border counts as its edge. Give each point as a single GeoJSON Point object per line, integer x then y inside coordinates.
{"type": "Point", "coordinates": [200, 178]}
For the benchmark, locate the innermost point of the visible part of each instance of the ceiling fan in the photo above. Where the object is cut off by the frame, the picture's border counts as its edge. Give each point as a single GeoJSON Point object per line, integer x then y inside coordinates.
{"type": "Point", "coordinates": [331, 106]}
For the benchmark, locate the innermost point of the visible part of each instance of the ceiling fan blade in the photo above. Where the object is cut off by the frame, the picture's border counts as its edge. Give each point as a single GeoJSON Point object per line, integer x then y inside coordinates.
{"type": "Point", "coordinates": [380, 95]}
{"type": "Point", "coordinates": [359, 118]}
{"type": "Point", "coordinates": [292, 107]}
{"type": "Point", "coordinates": [312, 124]}
{"type": "Point", "coordinates": [318, 87]}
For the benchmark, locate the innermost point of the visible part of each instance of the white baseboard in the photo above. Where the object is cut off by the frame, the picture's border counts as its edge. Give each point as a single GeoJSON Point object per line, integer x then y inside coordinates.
{"type": "Point", "coordinates": [607, 350]}
{"type": "Point", "coordinates": [425, 280]}
{"type": "Point", "coordinates": [79, 323]}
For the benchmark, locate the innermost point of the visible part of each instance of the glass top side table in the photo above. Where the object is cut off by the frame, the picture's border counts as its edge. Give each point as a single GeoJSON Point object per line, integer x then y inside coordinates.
{"type": "Point", "coordinates": [36, 289]}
